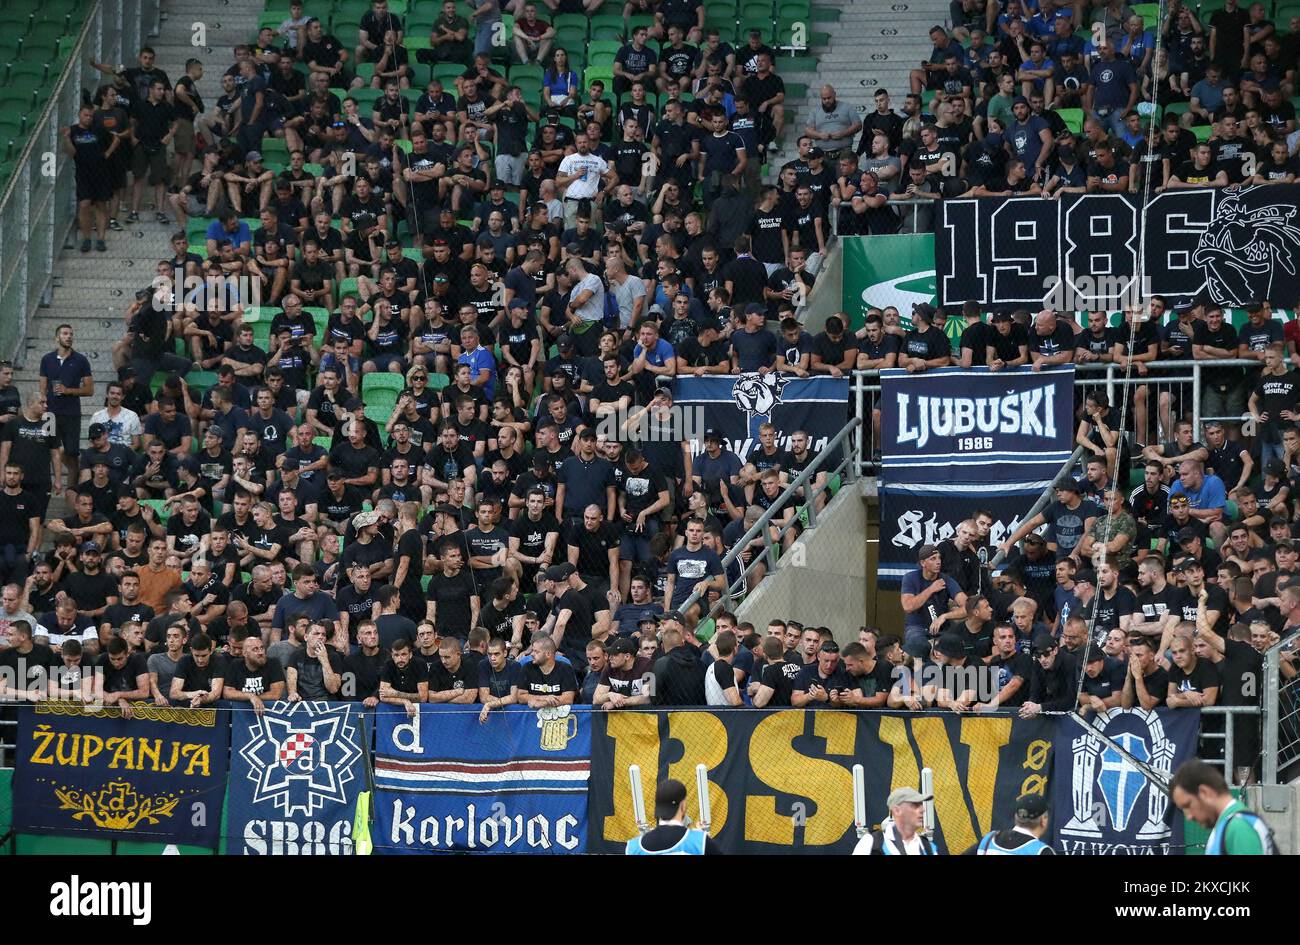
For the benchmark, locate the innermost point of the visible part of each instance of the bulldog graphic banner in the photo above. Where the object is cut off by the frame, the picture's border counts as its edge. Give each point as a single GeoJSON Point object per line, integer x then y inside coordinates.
{"type": "Point", "coordinates": [736, 405]}
{"type": "Point", "coordinates": [1234, 245]}
{"type": "Point", "coordinates": [87, 772]}
{"type": "Point", "coordinates": [447, 783]}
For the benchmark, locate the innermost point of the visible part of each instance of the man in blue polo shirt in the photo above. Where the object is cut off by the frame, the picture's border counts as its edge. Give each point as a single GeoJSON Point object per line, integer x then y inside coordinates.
{"type": "Point", "coordinates": [483, 367]}
{"type": "Point", "coordinates": [1206, 496]}
{"type": "Point", "coordinates": [66, 378]}
{"type": "Point", "coordinates": [754, 348]}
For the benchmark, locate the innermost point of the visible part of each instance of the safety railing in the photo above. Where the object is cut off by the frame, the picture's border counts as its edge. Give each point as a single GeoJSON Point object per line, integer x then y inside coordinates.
{"type": "Point", "coordinates": [38, 206]}
{"type": "Point", "coordinates": [1158, 398]}
{"type": "Point", "coordinates": [1281, 735]}
{"type": "Point", "coordinates": [803, 493]}
{"type": "Point", "coordinates": [8, 734]}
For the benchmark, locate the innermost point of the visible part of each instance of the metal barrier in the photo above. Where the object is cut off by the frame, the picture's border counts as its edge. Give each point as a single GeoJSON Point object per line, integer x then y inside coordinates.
{"type": "Point", "coordinates": [8, 735]}
{"type": "Point", "coordinates": [1227, 736]}
{"type": "Point", "coordinates": [38, 207]}
{"type": "Point", "coordinates": [1281, 713]}
{"type": "Point", "coordinates": [792, 495]}
{"type": "Point", "coordinates": [1171, 389]}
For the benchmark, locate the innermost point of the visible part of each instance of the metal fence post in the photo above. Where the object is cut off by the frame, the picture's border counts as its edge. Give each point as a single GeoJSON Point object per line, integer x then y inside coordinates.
{"type": "Point", "coordinates": [1272, 720]}
{"type": "Point", "coordinates": [1196, 400]}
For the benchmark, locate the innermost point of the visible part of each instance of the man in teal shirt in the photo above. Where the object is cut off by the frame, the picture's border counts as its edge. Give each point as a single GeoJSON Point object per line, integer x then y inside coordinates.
{"type": "Point", "coordinates": [1201, 793]}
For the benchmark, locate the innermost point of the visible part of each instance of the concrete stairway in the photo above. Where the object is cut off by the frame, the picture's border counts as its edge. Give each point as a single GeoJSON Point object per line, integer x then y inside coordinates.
{"type": "Point", "coordinates": [91, 291]}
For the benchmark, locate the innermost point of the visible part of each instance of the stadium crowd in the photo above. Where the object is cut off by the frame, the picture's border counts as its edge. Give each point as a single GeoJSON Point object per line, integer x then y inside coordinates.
{"type": "Point", "coordinates": [438, 460]}
{"type": "Point", "coordinates": [410, 387]}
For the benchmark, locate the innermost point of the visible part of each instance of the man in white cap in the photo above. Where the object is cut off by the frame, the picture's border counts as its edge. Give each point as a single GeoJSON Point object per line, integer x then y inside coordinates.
{"type": "Point", "coordinates": [901, 834]}
{"type": "Point", "coordinates": [672, 836]}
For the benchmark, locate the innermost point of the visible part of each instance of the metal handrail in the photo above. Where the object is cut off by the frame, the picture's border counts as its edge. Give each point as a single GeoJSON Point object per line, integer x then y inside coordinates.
{"type": "Point", "coordinates": [1043, 499]}
{"type": "Point", "coordinates": [846, 466]}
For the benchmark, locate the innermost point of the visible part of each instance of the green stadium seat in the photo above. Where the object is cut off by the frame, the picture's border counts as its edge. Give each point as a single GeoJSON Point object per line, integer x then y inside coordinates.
{"type": "Point", "coordinates": [794, 10]}
{"type": "Point", "coordinates": [447, 73]}
{"type": "Point", "coordinates": [365, 98]}
{"type": "Point", "coordinates": [321, 317]}
{"type": "Point", "coordinates": [607, 26]}
{"type": "Point", "coordinates": [200, 381]}
{"type": "Point", "coordinates": [260, 313]}
{"type": "Point", "coordinates": [601, 52]}
{"type": "Point", "coordinates": [349, 287]}
{"type": "Point", "coordinates": [1150, 13]}
{"type": "Point", "coordinates": [160, 507]}
{"type": "Point", "coordinates": [755, 9]}
{"type": "Point", "coordinates": [639, 19]}
{"type": "Point", "coordinates": [1073, 118]}
{"type": "Point", "coordinates": [1203, 132]}
{"type": "Point", "coordinates": [763, 24]}
{"type": "Point", "coordinates": [384, 381]}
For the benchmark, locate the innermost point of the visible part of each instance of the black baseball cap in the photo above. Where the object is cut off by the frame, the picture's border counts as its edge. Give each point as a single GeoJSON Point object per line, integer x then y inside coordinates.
{"type": "Point", "coordinates": [950, 645]}
{"type": "Point", "coordinates": [1031, 806]}
{"type": "Point", "coordinates": [1044, 643]}
{"type": "Point", "coordinates": [97, 430]}
{"type": "Point", "coordinates": [621, 645]}
{"type": "Point", "coordinates": [668, 797]}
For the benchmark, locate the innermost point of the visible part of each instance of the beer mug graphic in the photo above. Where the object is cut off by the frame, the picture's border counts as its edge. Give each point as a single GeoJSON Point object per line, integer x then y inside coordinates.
{"type": "Point", "coordinates": [556, 730]}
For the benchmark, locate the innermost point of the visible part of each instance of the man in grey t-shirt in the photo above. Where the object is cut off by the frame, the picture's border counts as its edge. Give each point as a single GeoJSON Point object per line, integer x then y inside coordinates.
{"type": "Point", "coordinates": [835, 124]}
{"type": "Point", "coordinates": [162, 663]}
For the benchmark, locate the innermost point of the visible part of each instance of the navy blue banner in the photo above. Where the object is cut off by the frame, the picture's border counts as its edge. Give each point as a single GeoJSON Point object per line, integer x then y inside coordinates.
{"type": "Point", "coordinates": [914, 516]}
{"type": "Point", "coordinates": [1102, 804]}
{"type": "Point", "coordinates": [87, 772]}
{"type": "Point", "coordinates": [736, 405]}
{"type": "Point", "coordinates": [975, 425]}
{"type": "Point", "coordinates": [514, 783]}
{"type": "Point", "coordinates": [781, 782]}
{"type": "Point", "coordinates": [295, 772]}
{"type": "Point", "coordinates": [1082, 252]}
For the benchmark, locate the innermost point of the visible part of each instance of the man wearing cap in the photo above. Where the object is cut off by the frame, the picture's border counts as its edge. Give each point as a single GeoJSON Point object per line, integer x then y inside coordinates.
{"type": "Point", "coordinates": [1052, 686]}
{"type": "Point", "coordinates": [1103, 682]}
{"type": "Point", "coordinates": [1022, 839]}
{"type": "Point", "coordinates": [623, 683]}
{"type": "Point", "coordinates": [571, 619]}
{"type": "Point", "coordinates": [821, 683]}
{"type": "Point", "coordinates": [1069, 515]}
{"type": "Point", "coordinates": [930, 598]}
{"type": "Point", "coordinates": [672, 837]}
{"type": "Point", "coordinates": [901, 834]}
{"type": "Point", "coordinates": [753, 348]}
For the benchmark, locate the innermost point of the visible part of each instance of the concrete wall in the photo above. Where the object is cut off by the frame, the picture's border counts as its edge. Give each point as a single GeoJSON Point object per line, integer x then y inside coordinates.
{"type": "Point", "coordinates": [823, 579]}
{"type": "Point", "coordinates": [827, 295]}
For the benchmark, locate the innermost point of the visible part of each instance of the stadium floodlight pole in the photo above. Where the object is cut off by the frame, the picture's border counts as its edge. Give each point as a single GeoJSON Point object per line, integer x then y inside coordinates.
{"type": "Point", "coordinates": [927, 788]}
{"type": "Point", "coordinates": [702, 788]}
{"type": "Point", "coordinates": [638, 798]}
{"type": "Point", "coordinates": [859, 801]}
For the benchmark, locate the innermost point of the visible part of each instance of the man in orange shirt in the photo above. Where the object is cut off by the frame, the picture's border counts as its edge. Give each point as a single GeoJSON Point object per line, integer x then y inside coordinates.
{"type": "Point", "coordinates": [156, 579]}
